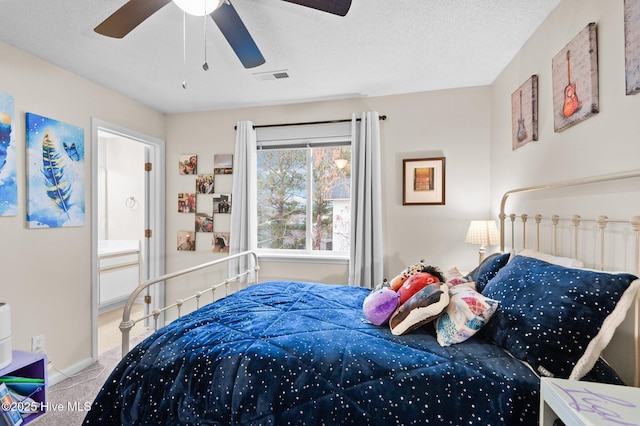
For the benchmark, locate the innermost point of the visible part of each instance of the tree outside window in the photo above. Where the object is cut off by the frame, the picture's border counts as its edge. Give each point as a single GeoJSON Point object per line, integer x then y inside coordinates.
{"type": "Point", "coordinates": [304, 198]}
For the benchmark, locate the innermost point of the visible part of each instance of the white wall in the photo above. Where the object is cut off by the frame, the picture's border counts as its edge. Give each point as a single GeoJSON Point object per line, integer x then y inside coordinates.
{"type": "Point", "coordinates": [46, 273]}
{"type": "Point", "coordinates": [453, 123]}
{"type": "Point", "coordinates": [605, 143]}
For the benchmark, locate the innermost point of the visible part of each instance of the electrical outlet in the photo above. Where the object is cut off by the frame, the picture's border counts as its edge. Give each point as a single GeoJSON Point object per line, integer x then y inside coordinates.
{"type": "Point", "coordinates": [37, 344]}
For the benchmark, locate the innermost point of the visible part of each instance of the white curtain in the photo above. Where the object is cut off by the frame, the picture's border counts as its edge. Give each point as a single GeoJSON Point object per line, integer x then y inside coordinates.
{"type": "Point", "coordinates": [366, 257]}
{"type": "Point", "coordinates": [243, 203]}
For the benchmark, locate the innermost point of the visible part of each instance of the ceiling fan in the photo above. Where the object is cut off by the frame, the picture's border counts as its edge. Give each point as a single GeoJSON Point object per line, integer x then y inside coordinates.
{"type": "Point", "coordinates": [134, 12]}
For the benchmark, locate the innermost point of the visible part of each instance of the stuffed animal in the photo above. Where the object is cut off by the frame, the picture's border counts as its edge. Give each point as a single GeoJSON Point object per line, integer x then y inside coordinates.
{"type": "Point", "coordinates": [422, 308]}
{"type": "Point", "coordinates": [383, 284]}
{"type": "Point", "coordinates": [383, 301]}
{"type": "Point", "coordinates": [403, 276]}
{"type": "Point", "coordinates": [379, 305]}
{"type": "Point", "coordinates": [414, 284]}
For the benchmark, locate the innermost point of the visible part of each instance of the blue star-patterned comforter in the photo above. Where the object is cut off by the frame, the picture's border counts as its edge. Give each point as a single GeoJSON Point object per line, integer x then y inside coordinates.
{"type": "Point", "coordinates": [290, 353]}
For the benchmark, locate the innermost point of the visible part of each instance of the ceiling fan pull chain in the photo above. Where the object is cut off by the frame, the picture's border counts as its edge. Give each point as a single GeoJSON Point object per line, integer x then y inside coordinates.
{"type": "Point", "coordinates": [184, 49]}
{"type": "Point", "coordinates": [205, 66]}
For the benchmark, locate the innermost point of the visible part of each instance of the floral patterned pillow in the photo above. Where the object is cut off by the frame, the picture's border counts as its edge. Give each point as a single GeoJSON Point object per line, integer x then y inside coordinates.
{"type": "Point", "coordinates": [468, 311]}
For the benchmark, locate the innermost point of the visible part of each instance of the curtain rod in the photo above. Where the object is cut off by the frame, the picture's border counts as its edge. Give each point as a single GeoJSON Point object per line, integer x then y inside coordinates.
{"type": "Point", "coordinates": [307, 123]}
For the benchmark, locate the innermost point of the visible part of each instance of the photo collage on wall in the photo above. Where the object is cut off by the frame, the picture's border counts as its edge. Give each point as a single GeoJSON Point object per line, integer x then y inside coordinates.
{"type": "Point", "coordinates": [210, 208]}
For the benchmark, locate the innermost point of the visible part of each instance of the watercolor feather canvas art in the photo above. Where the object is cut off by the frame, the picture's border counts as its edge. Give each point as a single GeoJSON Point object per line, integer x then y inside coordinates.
{"type": "Point", "coordinates": [8, 181]}
{"type": "Point", "coordinates": [55, 173]}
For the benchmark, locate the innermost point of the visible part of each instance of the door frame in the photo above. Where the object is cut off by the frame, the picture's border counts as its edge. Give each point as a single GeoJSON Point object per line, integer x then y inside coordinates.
{"type": "Point", "coordinates": [154, 211]}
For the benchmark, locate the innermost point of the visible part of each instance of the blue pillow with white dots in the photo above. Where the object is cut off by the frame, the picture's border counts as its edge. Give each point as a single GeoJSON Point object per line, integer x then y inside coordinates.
{"type": "Point", "coordinates": [488, 269]}
{"type": "Point", "coordinates": [553, 317]}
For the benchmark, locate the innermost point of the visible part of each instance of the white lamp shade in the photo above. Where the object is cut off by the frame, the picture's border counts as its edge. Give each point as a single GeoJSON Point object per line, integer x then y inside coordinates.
{"type": "Point", "coordinates": [483, 232]}
{"type": "Point", "coordinates": [198, 7]}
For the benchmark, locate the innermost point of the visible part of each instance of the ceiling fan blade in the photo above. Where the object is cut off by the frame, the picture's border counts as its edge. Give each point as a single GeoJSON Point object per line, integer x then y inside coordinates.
{"type": "Point", "coordinates": [337, 7]}
{"type": "Point", "coordinates": [129, 16]}
{"type": "Point", "coordinates": [236, 33]}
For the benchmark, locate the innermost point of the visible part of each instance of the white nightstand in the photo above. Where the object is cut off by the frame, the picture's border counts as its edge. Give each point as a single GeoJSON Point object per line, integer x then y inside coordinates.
{"type": "Point", "coordinates": [585, 403]}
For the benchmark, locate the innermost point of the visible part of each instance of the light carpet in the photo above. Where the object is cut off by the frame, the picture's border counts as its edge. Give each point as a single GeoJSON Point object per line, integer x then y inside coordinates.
{"type": "Point", "coordinates": [69, 400]}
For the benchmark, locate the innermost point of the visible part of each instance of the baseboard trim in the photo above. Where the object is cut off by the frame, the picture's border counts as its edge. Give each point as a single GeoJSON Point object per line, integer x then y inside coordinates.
{"type": "Point", "coordinates": [56, 376]}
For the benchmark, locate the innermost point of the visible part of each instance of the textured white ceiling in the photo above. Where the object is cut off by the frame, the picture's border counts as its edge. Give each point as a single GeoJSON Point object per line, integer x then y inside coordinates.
{"type": "Point", "coordinates": [381, 47]}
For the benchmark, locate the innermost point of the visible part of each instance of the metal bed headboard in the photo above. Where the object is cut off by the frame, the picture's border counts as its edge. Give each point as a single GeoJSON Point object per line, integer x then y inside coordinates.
{"type": "Point", "coordinates": [569, 183]}
{"type": "Point", "coordinates": [576, 220]}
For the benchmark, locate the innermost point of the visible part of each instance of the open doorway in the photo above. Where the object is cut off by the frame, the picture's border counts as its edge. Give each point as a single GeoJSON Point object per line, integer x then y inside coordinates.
{"type": "Point", "coordinates": [127, 226]}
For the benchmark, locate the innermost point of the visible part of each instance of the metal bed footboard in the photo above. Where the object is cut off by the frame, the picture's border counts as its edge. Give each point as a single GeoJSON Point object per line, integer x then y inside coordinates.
{"type": "Point", "coordinates": [127, 323]}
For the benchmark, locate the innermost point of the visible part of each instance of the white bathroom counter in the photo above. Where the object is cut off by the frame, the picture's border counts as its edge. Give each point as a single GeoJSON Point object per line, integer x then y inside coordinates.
{"type": "Point", "coordinates": [119, 271]}
{"type": "Point", "coordinates": [115, 247]}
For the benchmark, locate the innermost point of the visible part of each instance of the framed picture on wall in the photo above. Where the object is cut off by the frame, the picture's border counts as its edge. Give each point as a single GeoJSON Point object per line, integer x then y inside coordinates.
{"type": "Point", "coordinates": [204, 222]}
{"type": "Point", "coordinates": [220, 242]}
{"type": "Point", "coordinates": [575, 80]}
{"type": "Point", "coordinates": [205, 184]}
{"type": "Point", "coordinates": [524, 113]}
{"type": "Point", "coordinates": [223, 164]}
{"type": "Point", "coordinates": [632, 45]}
{"type": "Point", "coordinates": [222, 203]}
{"type": "Point", "coordinates": [186, 241]}
{"type": "Point", "coordinates": [423, 181]}
{"type": "Point", "coordinates": [188, 164]}
{"type": "Point", "coordinates": [8, 161]}
{"type": "Point", "coordinates": [186, 202]}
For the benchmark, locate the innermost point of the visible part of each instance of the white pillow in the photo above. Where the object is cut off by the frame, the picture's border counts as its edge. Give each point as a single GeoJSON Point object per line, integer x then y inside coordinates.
{"type": "Point", "coordinates": [453, 276]}
{"type": "Point", "coordinates": [602, 339]}
{"type": "Point", "coordinates": [567, 262]}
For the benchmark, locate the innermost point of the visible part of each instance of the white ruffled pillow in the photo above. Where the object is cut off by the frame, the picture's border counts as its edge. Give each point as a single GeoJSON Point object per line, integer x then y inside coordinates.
{"type": "Point", "coordinates": [567, 262]}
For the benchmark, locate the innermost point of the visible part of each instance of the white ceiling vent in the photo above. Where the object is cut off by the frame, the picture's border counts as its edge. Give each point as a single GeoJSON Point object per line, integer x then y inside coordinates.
{"type": "Point", "coordinates": [271, 75]}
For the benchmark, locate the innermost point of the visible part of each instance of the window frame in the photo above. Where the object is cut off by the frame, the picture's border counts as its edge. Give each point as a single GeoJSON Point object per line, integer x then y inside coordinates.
{"type": "Point", "coordinates": [307, 136]}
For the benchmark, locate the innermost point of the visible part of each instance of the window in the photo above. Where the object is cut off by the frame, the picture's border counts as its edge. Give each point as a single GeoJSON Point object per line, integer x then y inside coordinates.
{"type": "Point", "coordinates": [304, 195]}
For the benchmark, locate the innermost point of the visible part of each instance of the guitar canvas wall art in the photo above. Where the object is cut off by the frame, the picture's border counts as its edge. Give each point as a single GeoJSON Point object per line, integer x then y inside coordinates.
{"type": "Point", "coordinates": [575, 80]}
{"type": "Point", "coordinates": [632, 45]}
{"type": "Point", "coordinates": [524, 113]}
{"type": "Point", "coordinates": [55, 173]}
{"type": "Point", "coordinates": [8, 180]}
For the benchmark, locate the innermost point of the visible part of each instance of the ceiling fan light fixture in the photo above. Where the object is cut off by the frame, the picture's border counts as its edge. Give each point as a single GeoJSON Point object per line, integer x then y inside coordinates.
{"type": "Point", "coordinates": [198, 7]}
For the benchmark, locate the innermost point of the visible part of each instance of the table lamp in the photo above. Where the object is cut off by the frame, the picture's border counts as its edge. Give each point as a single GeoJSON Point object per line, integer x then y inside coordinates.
{"type": "Point", "coordinates": [484, 233]}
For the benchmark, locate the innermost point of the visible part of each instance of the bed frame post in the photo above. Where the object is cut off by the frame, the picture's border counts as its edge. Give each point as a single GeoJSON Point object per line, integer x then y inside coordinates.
{"type": "Point", "coordinates": [524, 218]}
{"type": "Point", "coordinates": [554, 220]}
{"type": "Point", "coordinates": [538, 219]}
{"type": "Point", "coordinates": [602, 224]}
{"type": "Point", "coordinates": [575, 221]}
{"type": "Point", "coordinates": [635, 223]}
